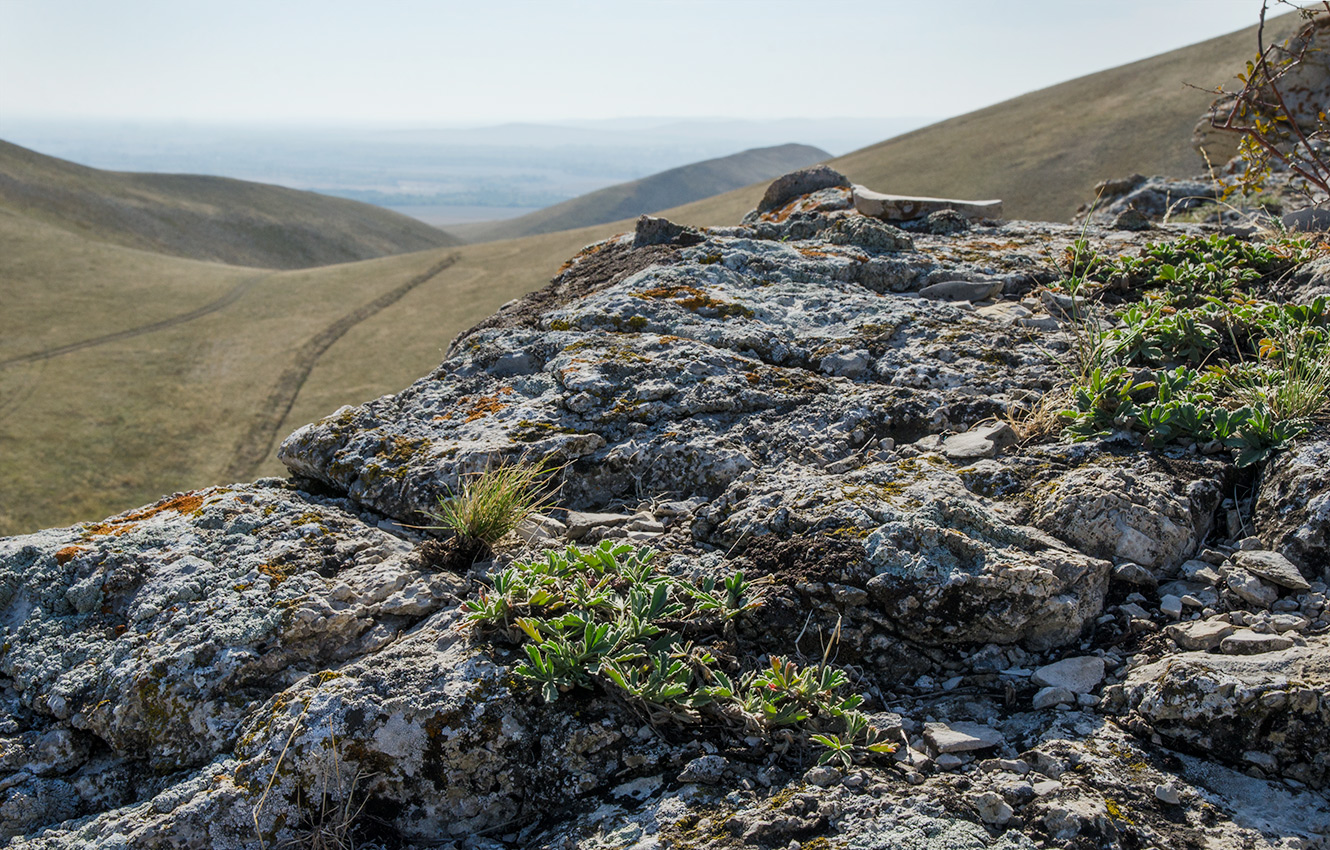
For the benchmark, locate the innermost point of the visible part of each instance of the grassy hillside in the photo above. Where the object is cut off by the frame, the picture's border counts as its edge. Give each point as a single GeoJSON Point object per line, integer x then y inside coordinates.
{"type": "Point", "coordinates": [1043, 152]}
{"type": "Point", "coordinates": [650, 194]}
{"type": "Point", "coordinates": [205, 218]}
{"type": "Point", "coordinates": [125, 374]}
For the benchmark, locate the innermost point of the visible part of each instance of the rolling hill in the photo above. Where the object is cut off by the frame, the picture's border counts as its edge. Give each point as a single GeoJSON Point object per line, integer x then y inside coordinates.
{"type": "Point", "coordinates": [126, 373]}
{"type": "Point", "coordinates": [1043, 152]}
{"type": "Point", "coordinates": [669, 188]}
{"type": "Point", "coordinates": [205, 218]}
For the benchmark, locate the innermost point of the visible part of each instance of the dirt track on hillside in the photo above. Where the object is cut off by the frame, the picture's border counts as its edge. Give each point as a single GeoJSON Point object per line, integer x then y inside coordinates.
{"type": "Point", "coordinates": [258, 440]}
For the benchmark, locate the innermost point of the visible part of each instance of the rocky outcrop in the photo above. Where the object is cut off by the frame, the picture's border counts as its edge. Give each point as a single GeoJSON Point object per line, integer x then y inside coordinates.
{"type": "Point", "coordinates": [1065, 646]}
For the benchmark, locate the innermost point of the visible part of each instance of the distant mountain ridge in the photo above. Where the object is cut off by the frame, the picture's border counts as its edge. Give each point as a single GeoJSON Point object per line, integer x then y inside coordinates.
{"type": "Point", "coordinates": [651, 194]}
{"type": "Point", "coordinates": [217, 219]}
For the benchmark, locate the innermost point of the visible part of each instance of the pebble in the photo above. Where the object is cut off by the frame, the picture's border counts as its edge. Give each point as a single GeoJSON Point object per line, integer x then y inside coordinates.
{"type": "Point", "coordinates": [949, 761]}
{"type": "Point", "coordinates": [1049, 697]}
{"type": "Point", "coordinates": [1273, 567]}
{"type": "Point", "coordinates": [1171, 605]}
{"type": "Point", "coordinates": [1167, 794]}
{"type": "Point", "coordinates": [822, 776]}
{"type": "Point", "coordinates": [1251, 589]}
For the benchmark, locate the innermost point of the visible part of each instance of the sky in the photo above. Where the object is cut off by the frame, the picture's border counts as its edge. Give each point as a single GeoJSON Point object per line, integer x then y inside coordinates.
{"type": "Point", "coordinates": [439, 62]}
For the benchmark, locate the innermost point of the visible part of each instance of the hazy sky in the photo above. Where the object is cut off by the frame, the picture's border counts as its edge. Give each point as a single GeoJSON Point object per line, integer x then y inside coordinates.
{"type": "Point", "coordinates": [414, 62]}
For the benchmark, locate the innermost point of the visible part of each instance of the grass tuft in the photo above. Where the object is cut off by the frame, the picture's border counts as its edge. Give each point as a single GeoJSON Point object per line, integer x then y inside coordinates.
{"type": "Point", "coordinates": [491, 504]}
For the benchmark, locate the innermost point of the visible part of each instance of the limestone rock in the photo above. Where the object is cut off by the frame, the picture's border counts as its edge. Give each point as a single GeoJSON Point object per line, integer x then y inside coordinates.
{"type": "Point", "coordinates": [961, 737]}
{"type": "Point", "coordinates": [962, 290]}
{"type": "Point", "coordinates": [1200, 634]}
{"type": "Point", "coordinates": [906, 208]}
{"type": "Point", "coordinates": [802, 182]}
{"type": "Point", "coordinates": [1248, 642]}
{"type": "Point", "coordinates": [1143, 516]}
{"type": "Point", "coordinates": [984, 441]}
{"type": "Point", "coordinates": [1271, 566]}
{"type": "Point", "coordinates": [1080, 674]}
{"type": "Point", "coordinates": [1293, 506]}
{"type": "Point", "coordinates": [1225, 705]}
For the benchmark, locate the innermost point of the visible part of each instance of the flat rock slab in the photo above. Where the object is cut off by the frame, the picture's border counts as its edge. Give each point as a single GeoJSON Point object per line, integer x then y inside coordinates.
{"type": "Point", "coordinates": [961, 736]}
{"type": "Point", "coordinates": [962, 290]}
{"type": "Point", "coordinates": [1247, 642]}
{"type": "Point", "coordinates": [978, 443]}
{"type": "Point", "coordinates": [579, 522]}
{"type": "Point", "coordinates": [1201, 634]}
{"type": "Point", "coordinates": [1273, 567]}
{"type": "Point", "coordinates": [1078, 675]}
{"type": "Point", "coordinates": [907, 208]}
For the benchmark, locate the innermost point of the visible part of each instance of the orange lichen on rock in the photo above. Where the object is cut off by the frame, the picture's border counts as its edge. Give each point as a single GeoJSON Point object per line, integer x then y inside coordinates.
{"type": "Point", "coordinates": [475, 407]}
{"type": "Point", "coordinates": [67, 554]}
{"type": "Point", "coordinates": [184, 503]}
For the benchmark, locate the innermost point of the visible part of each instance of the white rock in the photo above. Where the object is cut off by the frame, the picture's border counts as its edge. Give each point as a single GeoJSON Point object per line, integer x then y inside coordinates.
{"type": "Point", "coordinates": [992, 808]}
{"type": "Point", "coordinates": [1247, 642]}
{"type": "Point", "coordinates": [1080, 675]}
{"type": "Point", "coordinates": [906, 208]}
{"type": "Point", "coordinates": [1251, 589]}
{"type": "Point", "coordinates": [1273, 567]}
{"type": "Point", "coordinates": [1049, 697]}
{"type": "Point", "coordinates": [961, 736]}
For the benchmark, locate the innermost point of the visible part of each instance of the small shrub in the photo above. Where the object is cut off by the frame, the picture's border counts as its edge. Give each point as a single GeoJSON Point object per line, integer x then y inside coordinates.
{"type": "Point", "coordinates": [604, 618]}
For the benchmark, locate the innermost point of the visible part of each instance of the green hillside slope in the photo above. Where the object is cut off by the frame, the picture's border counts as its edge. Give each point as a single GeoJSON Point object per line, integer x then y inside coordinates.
{"type": "Point", "coordinates": [657, 192]}
{"type": "Point", "coordinates": [206, 218]}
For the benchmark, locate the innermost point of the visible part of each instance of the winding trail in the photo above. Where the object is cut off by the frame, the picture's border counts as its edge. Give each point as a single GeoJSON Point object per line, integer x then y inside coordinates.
{"type": "Point", "coordinates": [257, 442]}
{"type": "Point", "coordinates": [225, 301]}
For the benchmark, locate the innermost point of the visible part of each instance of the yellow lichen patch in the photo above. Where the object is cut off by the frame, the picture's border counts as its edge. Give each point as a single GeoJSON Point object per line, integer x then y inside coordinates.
{"type": "Point", "coordinates": [1115, 811]}
{"type": "Point", "coordinates": [275, 572]}
{"type": "Point", "coordinates": [694, 300]}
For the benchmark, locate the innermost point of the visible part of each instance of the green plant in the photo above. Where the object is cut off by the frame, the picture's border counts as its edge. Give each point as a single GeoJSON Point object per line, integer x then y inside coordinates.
{"type": "Point", "coordinates": [491, 504]}
{"type": "Point", "coordinates": [605, 618]}
{"type": "Point", "coordinates": [1201, 356]}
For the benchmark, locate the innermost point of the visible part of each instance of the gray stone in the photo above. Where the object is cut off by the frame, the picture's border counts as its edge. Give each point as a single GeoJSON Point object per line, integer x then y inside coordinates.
{"type": "Point", "coordinates": [1168, 794]}
{"type": "Point", "coordinates": [1217, 704]}
{"type": "Point", "coordinates": [652, 230]}
{"type": "Point", "coordinates": [1200, 634]}
{"type": "Point", "coordinates": [1252, 590]}
{"type": "Point", "coordinates": [982, 442]}
{"type": "Point", "coordinates": [1131, 573]}
{"type": "Point", "coordinates": [822, 776]}
{"type": "Point", "coordinates": [1051, 696]}
{"type": "Point", "coordinates": [906, 208]}
{"type": "Point", "coordinates": [1079, 675]}
{"type": "Point", "coordinates": [580, 522]}
{"type": "Point", "coordinates": [708, 770]}
{"type": "Point", "coordinates": [1171, 604]}
{"type": "Point", "coordinates": [787, 187]}
{"type": "Point", "coordinates": [1247, 642]}
{"type": "Point", "coordinates": [961, 736]}
{"type": "Point", "coordinates": [1147, 517]}
{"type": "Point", "coordinates": [1293, 505]}
{"type": "Point", "coordinates": [1271, 566]}
{"type": "Point", "coordinates": [962, 290]}
{"type": "Point", "coordinates": [992, 808]}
